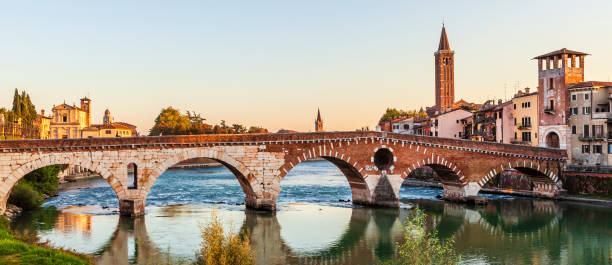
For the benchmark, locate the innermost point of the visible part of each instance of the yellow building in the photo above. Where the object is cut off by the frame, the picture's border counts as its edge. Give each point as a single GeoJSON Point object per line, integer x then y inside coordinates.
{"type": "Point", "coordinates": [68, 121]}
{"type": "Point", "coordinates": [525, 113]}
{"type": "Point", "coordinates": [44, 125]}
{"type": "Point", "coordinates": [108, 128]}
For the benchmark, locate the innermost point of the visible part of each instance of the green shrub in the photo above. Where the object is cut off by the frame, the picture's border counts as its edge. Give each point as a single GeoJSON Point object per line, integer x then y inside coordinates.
{"type": "Point", "coordinates": [43, 256]}
{"type": "Point", "coordinates": [10, 247]}
{"type": "Point", "coordinates": [5, 235]}
{"type": "Point", "coordinates": [44, 180]}
{"type": "Point", "coordinates": [24, 196]}
{"type": "Point", "coordinates": [423, 247]}
{"type": "Point", "coordinates": [219, 249]}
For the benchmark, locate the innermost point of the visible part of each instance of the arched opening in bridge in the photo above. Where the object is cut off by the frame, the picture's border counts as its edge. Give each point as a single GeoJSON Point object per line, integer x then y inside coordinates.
{"type": "Point", "coordinates": [196, 180]}
{"type": "Point", "coordinates": [383, 159]}
{"type": "Point", "coordinates": [425, 181]}
{"type": "Point", "coordinates": [524, 179]}
{"type": "Point", "coordinates": [132, 173]}
{"type": "Point", "coordinates": [72, 194]}
{"type": "Point", "coordinates": [552, 140]}
{"type": "Point", "coordinates": [321, 180]}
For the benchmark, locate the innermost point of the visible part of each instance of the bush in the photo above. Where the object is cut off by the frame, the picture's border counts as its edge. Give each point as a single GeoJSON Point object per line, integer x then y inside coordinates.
{"type": "Point", "coordinates": [44, 180]}
{"type": "Point", "coordinates": [24, 196]}
{"type": "Point", "coordinates": [219, 249]}
{"type": "Point", "coordinates": [422, 247]}
{"type": "Point", "coordinates": [10, 247]}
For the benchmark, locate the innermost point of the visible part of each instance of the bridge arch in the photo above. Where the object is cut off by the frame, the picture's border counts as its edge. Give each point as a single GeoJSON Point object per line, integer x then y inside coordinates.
{"type": "Point", "coordinates": [360, 191]}
{"type": "Point", "coordinates": [544, 179]}
{"type": "Point", "coordinates": [245, 177]}
{"type": "Point", "coordinates": [82, 160]}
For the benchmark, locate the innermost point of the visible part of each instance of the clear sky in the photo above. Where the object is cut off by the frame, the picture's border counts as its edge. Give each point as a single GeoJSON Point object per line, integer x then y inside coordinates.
{"type": "Point", "coordinates": [272, 63]}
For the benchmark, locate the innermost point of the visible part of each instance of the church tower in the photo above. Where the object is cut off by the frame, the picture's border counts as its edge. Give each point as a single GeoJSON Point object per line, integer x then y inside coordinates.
{"type": "Point", "coordinates": [107, 119]}
{"type": "Point", "coordinates": [445, 74]}
{"type": "Point", "coordinates": [318, 122]}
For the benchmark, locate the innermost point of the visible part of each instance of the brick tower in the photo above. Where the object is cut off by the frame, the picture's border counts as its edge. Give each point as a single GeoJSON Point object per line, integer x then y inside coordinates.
{"type": "Point", "coordinates": [445, 74]}
{"type": "Point", "coordinates": [318, 122]}
{"type": "Point", "coordinates": [556, 70]}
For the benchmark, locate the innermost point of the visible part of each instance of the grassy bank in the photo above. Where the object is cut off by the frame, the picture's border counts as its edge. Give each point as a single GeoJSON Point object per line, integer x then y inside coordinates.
{"type": "Point", "coordinates": [15, 251]}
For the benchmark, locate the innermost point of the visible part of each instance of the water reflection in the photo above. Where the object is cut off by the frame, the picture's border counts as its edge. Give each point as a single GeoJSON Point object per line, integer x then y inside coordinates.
{"type": "Point", "coordinates": [519, 231]}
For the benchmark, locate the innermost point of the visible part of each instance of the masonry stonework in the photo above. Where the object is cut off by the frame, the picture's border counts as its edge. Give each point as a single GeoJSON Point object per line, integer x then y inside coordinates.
{"type": "Point", "coordinates": [261, 161]}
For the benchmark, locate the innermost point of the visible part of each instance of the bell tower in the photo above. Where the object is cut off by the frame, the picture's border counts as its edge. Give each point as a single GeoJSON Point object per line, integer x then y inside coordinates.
{"type": "Point", "coordinates": [318, 122]}
{"type": "Point", "coordinates": [445, 74]}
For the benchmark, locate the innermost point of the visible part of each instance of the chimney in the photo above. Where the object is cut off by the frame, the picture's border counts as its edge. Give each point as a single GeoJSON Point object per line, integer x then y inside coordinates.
{"type": "Point", "coordinates": [42, 112]}
{"type": "Point", "coordinates": [526, 90]}
{"type": "Point", "coordinates": [499, 102]}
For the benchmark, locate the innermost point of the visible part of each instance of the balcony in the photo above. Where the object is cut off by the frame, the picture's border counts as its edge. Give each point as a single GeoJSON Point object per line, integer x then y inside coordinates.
{"type": "Point", "coordinates": [549, 110]}
{"type": "Point", "coordinates": [484, 120]}
{"type": "Point", "coordinates": [518, 141]}
{"type": "Point", "coordinates": [595, 137]}
{"type": "Point", "coordinates": [525, 127]}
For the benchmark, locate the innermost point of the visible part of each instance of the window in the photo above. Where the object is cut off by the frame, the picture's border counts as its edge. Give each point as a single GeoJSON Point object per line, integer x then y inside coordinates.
{"type": "Point", "coordinates": [514, 106]}
{"type": "Point", "coordinates": [586, 149]}
{"type": "Point", "coordinates": [436, 134]}
{"type": "Point", "coordinates": [610, 148]}
{"type": "Point", "coordinates": [586, 96]}
{"type": "Point", "coordinates": [598, 131]}
{"type": "Point", "coordinates": [526, 136]}
{"type": "Point", "coordinates": [576, 111]}
{"type": "Point", "coordinates": [596, 149]}
{"type": "Point", "coordinates": [65, 118]}
{"type": "Point", "coordinates": [108, 132]}
{"type": "Point", "coordinates": [514, 121]}
{"type": "Point", "coordinates": [573, 97]}
{"type": "Point", "coordinates": [132, 172]}
{"type": "Point", "coordinates": [586, 131]}
{"type": "Point", "coordinates": [550, 83]}
{"type": "Point", "coordinates": [552, 105]}
{"type": "Point", "coordinates": [586, 110]}
{"type": "Point", "coordinates": [573, 129]}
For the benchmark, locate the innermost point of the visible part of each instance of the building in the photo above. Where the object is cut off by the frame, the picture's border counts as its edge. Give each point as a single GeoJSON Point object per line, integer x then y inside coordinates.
{"type": "Point", "coordinates": [318, 122]}
{"type": "Point", "coordinates": [448, 124]}
{"type": "Point", "coordinates": [525, 108]}
{"type": "Point", "coordinates": [484, 123]}
{"type": "Point", "coordinates": [590, 123]}
{"type": "Point", "coordinates": [108, 128]}
{"type": "Point", "coordinates": [68, 121]}
{"type": "Point", "coordinates": [445, 75]}
{"type": "Point", "coordinates": [504, 122]}
{"type": "Point", "coordinates": [43, 123]}
{"type": "Point", "coordinates": [556, 71]}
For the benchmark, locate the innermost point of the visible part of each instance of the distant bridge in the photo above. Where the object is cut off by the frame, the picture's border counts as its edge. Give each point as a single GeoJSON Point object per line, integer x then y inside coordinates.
{"type": "Point", "coordinates": [374, 163]}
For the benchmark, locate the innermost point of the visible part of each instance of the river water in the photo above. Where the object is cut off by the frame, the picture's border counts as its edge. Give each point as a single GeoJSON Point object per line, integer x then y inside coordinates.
{"type": "Point", "coordinates": [314, 224]}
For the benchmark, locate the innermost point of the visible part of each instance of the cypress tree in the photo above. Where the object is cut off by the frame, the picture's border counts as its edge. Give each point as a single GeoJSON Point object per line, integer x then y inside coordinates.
{"type": "Point", "coordinates": [16, 104]}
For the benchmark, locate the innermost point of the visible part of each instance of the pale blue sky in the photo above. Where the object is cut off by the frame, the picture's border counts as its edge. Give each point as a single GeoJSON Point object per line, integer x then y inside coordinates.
{"type": "Point", "coordinates": [272, 63]}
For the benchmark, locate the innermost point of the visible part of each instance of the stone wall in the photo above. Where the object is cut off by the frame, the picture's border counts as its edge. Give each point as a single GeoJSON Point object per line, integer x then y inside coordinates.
{"type": "Point", "coordinates": [587, 183]}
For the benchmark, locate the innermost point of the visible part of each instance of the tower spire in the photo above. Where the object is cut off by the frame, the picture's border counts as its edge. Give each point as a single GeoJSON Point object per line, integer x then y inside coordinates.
{"type": "Point", "coordinates": [443, 46]}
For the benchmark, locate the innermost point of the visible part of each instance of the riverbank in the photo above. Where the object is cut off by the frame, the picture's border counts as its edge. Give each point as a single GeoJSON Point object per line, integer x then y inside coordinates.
{"type": "Point", "coordinates": [493, 190]}
{"type": "Point", "coordinates": [14, 250]}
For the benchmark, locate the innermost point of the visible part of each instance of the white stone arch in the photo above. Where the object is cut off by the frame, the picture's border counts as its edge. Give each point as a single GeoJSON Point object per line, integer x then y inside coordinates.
{"type": "Point", "coordinates": [351, 168]}
{"type": "Point", "coordinates": [241, 172]}
{"type": "Point", "coordinates": [82, 159]}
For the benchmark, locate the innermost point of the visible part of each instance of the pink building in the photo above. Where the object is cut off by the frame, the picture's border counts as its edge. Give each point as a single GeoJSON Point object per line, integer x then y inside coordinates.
{"type": "Point", "coordinates": [504, 122]}
{"type": "Point", "coordinates": [448, 124]}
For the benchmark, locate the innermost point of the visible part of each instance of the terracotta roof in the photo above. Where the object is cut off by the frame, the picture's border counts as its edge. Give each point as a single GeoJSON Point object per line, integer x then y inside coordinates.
{"type": "Point", "coordinates": [443, 46]}
{"type": "Point", "coordinates": [559, 52]}
{"type": "Point", "coordinates": [590, 84]}
{"type": "Point", "coordinates": [114, 125]}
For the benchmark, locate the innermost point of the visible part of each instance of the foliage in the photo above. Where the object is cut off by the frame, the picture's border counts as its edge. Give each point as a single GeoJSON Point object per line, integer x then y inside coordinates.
{"type": "Point", "coordinates": [469, 108]}
{"type": "Point", "coordinates": [221, 249]}
{"type": "Point", "coordinates": [29, 192]}
{"type": "Point", "coordinates": [392, 113]}
{"type": "Point", "coordinates": [423, 247]}
{"type": "Point", "coordinates": [13, 251]}
{"type": "Point", "coordinates": [25, 197]}
{"type": "Point", "coordinates": [23, 110]}
{"type": "Point", "coordinates": [171, 122]}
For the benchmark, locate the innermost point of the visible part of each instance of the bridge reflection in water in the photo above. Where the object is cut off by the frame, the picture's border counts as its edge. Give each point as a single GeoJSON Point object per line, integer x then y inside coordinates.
{"type": "Point", "coordinates": [515, 231]}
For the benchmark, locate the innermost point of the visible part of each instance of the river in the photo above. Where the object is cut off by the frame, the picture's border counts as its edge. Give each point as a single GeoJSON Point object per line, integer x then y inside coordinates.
{"type": "Point", "coordinates": [314, 223]}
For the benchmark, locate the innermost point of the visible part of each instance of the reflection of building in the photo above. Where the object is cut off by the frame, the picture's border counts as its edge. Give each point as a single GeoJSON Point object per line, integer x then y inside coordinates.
{"type": "Point", "coordinates": [589, 118]}
{"type": "Point", "coordinates": [525, 106]}
{"type": "Point", "coordinates": [68, 121]}
{"type": "Point", "coordinates": [318, 122]}
{"type": "Point", "coordinates": [68, 221]}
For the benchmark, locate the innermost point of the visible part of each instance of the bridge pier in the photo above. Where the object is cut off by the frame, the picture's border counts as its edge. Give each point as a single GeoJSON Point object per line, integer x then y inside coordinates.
{"type": "Point", "coordinates": [262, 204]}
{"type": "Point", "coordinates": [132, 207]}
{"type": "Point", "coordinates": [545, 189]}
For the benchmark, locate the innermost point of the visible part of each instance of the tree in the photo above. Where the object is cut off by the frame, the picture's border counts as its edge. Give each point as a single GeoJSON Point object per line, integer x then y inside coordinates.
{"type": "Point", "coordinates": [255, 129]}
{"type": "Point", "coordinates": [221, 248]}
{"type": "Point", "coordinates": [170, 122]}
{"type": "Point", "coordinates": [22, 109]}
{"type": "Point", "coordinates": [423, 247]}
{"type": "Point", "coordinates": [239, 128]}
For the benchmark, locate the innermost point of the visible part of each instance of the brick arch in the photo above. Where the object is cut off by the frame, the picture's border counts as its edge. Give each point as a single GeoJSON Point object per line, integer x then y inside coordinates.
{"type": "Point", "coordinates": [360, 190]}
{"type": "Point", "coordinates": [245, 177]}
{"type": "Point", "coordinates": [83, 161]}
{"type": "Point", "coordinates": [444, 168]}
{"type": "Point", "coordinates": [529, 167]}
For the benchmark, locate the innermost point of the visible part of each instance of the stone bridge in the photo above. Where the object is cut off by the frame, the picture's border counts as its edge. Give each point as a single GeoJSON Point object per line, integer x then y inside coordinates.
{"type": "Point", "coordinates": [374, 163]}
